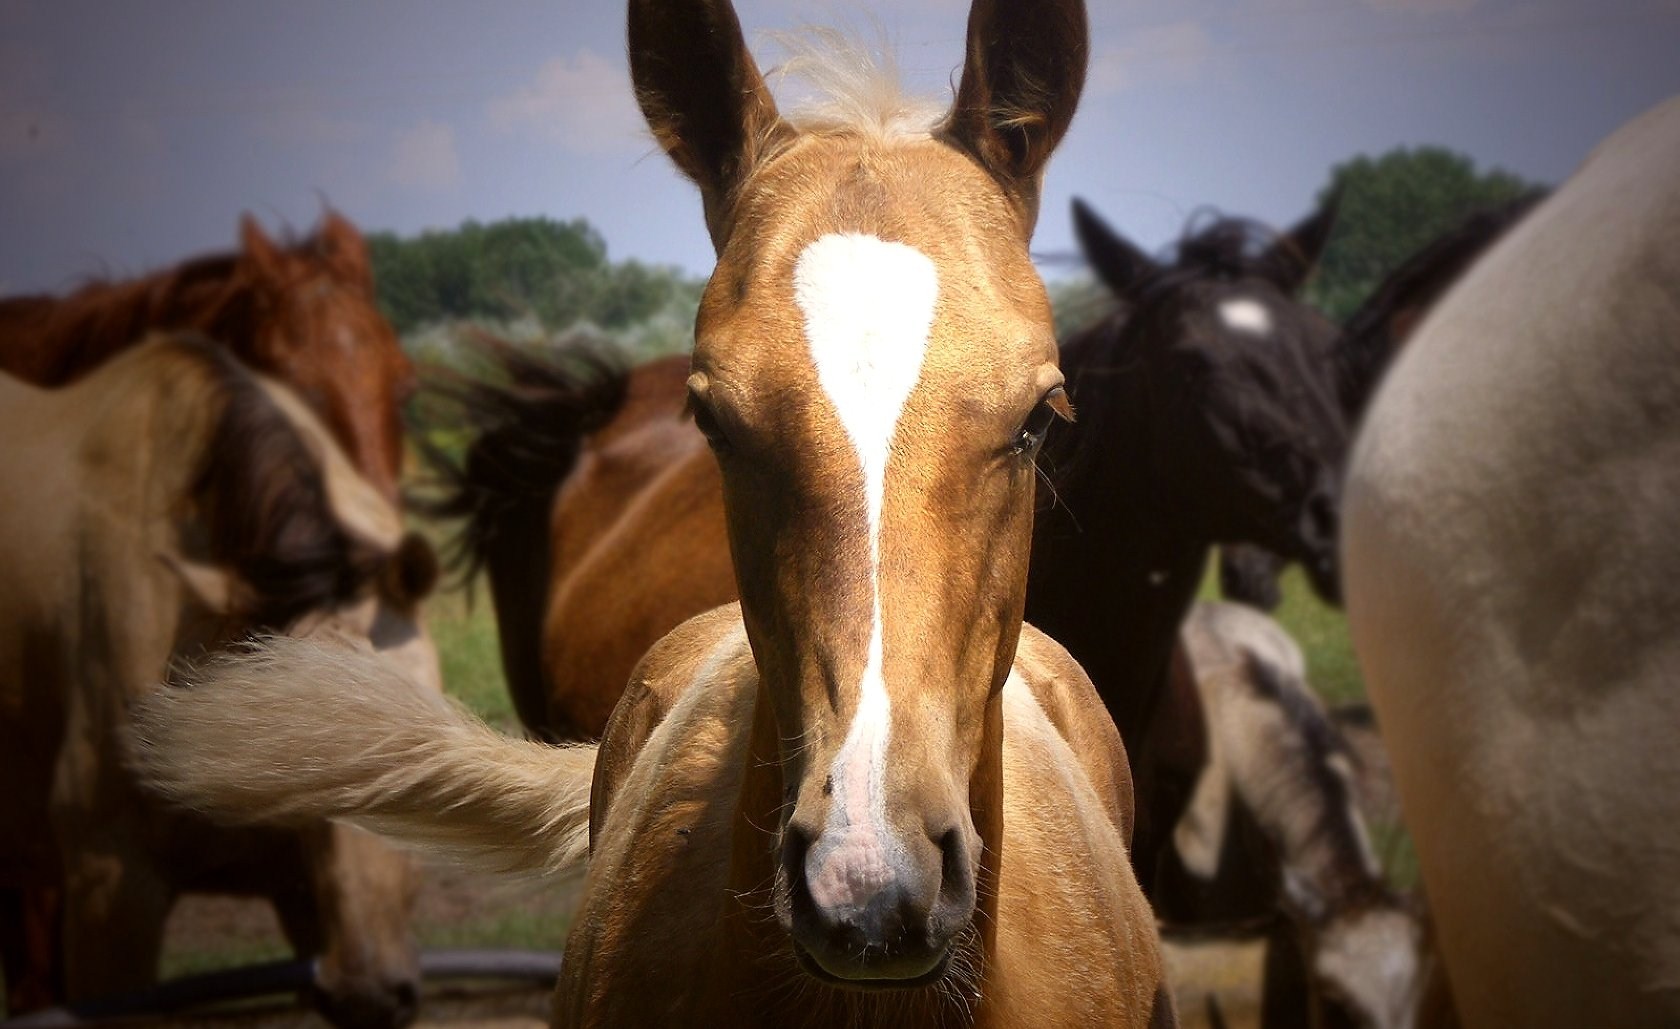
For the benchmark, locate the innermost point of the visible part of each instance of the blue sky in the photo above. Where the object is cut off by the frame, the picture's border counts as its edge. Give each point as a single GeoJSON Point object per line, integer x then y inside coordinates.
{"type": "Point", "coordinates": [134, 134]}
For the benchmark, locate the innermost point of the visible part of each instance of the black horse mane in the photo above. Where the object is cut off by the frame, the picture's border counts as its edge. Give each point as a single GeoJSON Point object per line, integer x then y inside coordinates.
{"type": "Point", "coordinates": [1213, 246]}
{"type": "Point", "coordinates": [527, 415]}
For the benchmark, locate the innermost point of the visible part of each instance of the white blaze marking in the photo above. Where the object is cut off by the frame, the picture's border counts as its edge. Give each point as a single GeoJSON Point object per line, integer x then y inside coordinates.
{"type": "Point", "coordinates": [868, 307]}
{"type": "Point", "coordinates": [1245, 314]}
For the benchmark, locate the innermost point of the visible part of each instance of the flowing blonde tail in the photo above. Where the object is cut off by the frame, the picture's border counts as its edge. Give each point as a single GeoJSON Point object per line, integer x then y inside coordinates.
{"type": "Point", "coordinates": [293, 730]}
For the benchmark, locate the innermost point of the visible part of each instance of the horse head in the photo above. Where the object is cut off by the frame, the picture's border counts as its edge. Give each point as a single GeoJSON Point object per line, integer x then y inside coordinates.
{"type": "Point", "coordinates": [291, 538]}
{"type": "Point", "coordinates": [875, 369]}
{"type": "Point", "coordinates": [1246, 431]}
{"type": "Point", "coordinates": [315, 323]}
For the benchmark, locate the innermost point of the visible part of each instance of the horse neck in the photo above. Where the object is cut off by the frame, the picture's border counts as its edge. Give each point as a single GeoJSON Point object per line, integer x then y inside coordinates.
{"type": "Point", "coordinates": [759, 982]}
{"type": "Point", "coordinates": [1113, 568]}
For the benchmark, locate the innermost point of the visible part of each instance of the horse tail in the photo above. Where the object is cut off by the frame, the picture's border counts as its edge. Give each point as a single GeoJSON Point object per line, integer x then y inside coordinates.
{"type": "Point", "coordinates": [290, 731]}
{"type": "Point", "coordinates": [527, 413]}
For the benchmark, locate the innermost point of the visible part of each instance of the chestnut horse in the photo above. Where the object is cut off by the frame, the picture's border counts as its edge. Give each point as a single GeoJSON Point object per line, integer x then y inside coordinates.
{"type": "Point", "coordinates": [868, 794]}
{"type": "Point", "coordinates": [163, 505]}
{"type": "Point", "coordinates": [304, 314]}
{"type": "Point", "coordinates": [1511, 575]}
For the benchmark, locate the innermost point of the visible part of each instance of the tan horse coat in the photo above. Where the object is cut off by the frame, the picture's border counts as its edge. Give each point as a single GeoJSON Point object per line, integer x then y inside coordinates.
{"type": "Point", "coordinates": [1512, 587]}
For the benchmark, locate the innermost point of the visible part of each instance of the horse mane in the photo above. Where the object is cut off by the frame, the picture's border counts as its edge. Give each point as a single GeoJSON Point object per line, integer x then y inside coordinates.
{"type": "Point", "coordinates": [1367, 344]}
{"type": "Point", "coordinates": [850, 87]}
{"type": "Point", "coordinates": [527, 412]}
{"type": "Point", "coordinates": [269, 515]}
{"type": "Point", "coordinates": [1212, 246]}
{"type": "Point", "coordinates": [54, 340]}
{"type": "Point", "coordinates": [1326, 829]}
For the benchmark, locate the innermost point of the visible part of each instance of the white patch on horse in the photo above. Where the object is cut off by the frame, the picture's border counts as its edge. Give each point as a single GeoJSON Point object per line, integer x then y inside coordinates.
{"type": "Point", "coordinates": [868, 307]}
{"type": "Point", "coordinates": [1245, 314]}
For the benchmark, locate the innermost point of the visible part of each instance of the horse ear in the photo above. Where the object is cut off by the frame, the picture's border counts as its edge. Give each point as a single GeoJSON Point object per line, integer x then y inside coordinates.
{"type": "Point", "coordinates": [342, 246]}
{"type": "Point", "coordinates": [703, 96]}
{"type": "Point", "coordinates": [1119, 263]}
{"type": "Point", "coordinates": [259, 251]}
{"type": "Point", "coordinates": [1020, 84]}
{"type": "Point", "coordinates": [1290, 261]}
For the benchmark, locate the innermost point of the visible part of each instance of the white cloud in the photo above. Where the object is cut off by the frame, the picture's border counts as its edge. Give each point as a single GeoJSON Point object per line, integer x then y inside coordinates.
{"type": "Point", "coordinates": [424, 158]}
{"type": "Point", "coordinates": [303, 125]}
{"type": "Point", "coordinates": [581, 102]}
{"type": "Point", "coordinates": [1173, 52]}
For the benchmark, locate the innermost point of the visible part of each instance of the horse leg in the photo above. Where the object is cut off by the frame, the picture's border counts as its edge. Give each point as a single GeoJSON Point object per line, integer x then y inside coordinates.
{"type": "Point", "coordinates": [116, 904]}
{"type": "Point", "coordinates": [31, 946]}
{"type": "Point", "coordinates": [351, 912]}
{"type": "Point", "coordinates": [1286, 994]}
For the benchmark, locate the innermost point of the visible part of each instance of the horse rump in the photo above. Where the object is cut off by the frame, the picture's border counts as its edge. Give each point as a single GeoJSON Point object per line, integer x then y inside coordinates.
{"type": "Point", "coordinates": [286, 731]}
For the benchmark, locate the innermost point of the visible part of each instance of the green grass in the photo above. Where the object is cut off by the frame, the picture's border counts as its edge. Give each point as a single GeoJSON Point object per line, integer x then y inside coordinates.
{"type": "Point", "coordinates": [464, 629]}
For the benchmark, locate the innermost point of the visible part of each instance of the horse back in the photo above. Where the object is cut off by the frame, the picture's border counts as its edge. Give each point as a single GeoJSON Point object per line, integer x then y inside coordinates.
{"type": "Point", "coordinates": [667, 778]}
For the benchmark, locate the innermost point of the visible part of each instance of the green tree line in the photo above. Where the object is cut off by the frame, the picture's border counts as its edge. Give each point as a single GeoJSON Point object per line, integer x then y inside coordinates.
{"type": "Point", "coordinates": [557, 273]}
{"type": "Point", "coordinates": [1391, 206]}
{"type": "Point", "coordinates": [554, 272]}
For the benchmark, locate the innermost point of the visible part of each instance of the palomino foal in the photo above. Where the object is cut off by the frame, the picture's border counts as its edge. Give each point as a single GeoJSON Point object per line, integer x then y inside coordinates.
{"type": "Point", "coordinates": [866, 794]}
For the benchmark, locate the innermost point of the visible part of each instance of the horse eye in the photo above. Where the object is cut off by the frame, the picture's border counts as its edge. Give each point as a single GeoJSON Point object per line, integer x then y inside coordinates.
{"type": "Point", "coordinates": [706, 421]}
{"type": "Point", "coordinates": [1032, 432]}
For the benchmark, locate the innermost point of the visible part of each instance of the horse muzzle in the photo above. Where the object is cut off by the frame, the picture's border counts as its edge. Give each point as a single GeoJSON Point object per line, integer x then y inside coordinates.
{"type": "Point", "coordinates": [866, 910]}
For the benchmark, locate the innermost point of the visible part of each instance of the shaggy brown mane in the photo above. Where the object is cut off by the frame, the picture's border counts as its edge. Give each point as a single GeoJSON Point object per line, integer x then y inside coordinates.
{"type": "Point", "coordinates": [269, 515]}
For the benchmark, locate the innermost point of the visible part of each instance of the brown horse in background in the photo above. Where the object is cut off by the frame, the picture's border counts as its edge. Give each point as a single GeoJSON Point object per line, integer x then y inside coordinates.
{"type": "Point", "coordinates": [304, 313]}
{"type": "Point", "coordinates": [161, 506]}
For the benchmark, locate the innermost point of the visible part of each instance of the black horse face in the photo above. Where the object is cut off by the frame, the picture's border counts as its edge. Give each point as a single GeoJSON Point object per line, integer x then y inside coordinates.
{"type": "Point", "coordinates": [1247, 437]}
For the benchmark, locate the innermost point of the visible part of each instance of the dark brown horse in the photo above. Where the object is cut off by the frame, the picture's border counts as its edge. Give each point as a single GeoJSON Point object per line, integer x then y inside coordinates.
{"type": "Point", "coordinates": [303, 313]}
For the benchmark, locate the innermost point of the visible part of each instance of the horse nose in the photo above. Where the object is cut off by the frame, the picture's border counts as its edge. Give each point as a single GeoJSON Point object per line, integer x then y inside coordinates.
{"type": "Point", "coordinates": [370, 1005]}
{"type": "Point", "coordinates": [879, 911]}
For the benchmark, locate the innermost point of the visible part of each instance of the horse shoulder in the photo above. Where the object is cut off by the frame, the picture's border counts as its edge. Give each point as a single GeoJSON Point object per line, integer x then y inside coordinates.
{"type": "Point", "coordinates": [1068, 699]}
{"type": "Point", "coordinates": [1069, 906]}
{"type": "Point", "coordinates": [666, 782]}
